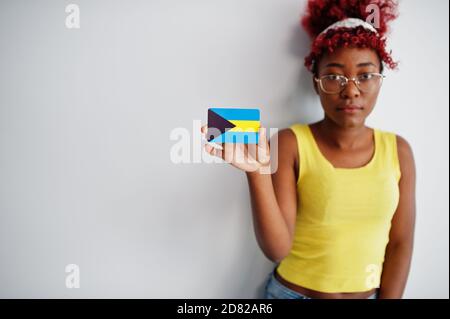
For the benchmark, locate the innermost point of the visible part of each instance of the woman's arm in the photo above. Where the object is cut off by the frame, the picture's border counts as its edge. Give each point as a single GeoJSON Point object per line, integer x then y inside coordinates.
{"type": "Point", "coordinates": [274, 200]}
{"type": "Point", "coordinates": [273, 196]}
{"type": "Point", "coordinates": [400, 247]}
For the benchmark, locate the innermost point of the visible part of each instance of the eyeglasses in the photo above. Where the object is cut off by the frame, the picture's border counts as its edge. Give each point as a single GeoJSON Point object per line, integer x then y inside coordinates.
{"type": "Point", "coordinates": [334, 83]}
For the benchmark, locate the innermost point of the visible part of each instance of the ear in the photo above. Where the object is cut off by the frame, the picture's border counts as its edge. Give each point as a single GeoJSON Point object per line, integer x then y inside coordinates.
{"type": "Point", "coordinates": [315, 84]}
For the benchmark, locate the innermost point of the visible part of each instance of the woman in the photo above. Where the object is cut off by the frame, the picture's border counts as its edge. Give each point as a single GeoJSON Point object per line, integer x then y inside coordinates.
{"type": "Point", "coordinates": [338, 214]}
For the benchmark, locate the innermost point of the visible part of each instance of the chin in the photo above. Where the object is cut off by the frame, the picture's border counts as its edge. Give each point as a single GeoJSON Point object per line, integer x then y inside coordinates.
{"type": "Point", "coordinates": [354, 123]}
{"type": "Point", "coordinates": [349, 122]}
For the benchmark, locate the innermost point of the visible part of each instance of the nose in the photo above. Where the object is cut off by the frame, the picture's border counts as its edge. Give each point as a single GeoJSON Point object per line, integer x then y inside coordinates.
{"type": "Point", "coordinates": [350, 90]}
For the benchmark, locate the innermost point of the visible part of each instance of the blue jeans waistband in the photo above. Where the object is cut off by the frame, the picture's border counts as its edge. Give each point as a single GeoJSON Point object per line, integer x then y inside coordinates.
{"type": "Point", "coordinates": [274, 289]}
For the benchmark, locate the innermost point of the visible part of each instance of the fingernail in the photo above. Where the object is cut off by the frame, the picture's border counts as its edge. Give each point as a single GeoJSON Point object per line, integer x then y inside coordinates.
{"type": "Point", "coordinates": [213, 145]}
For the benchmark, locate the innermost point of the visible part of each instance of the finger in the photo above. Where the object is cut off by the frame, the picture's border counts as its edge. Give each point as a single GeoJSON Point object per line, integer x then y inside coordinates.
{"type": "Point", "coordinates": [245, 150]}
{"type": "Point", "coordinates": [204, 131]}
{"type": "Point", "coordinates": [262, 139]}
{"type": "Point", "coordinates": [209, 149]}
{"type": "Point", "coordinates": [251, 153]}
{"type": "Point", "coordinates": [240, 154]}
{"type": "Point", "coordinates": [217, 152]}
{"type": "Point", "coordinates": [228, 152]}
{"type": "Point", "coordinates": [215, 145]}
{"type": "Point", "coordinates": [263, 153]}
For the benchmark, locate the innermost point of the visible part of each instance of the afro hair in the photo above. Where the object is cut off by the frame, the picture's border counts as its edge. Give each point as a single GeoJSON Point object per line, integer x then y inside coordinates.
{"type": "Point", "coordinates": [320, 14]}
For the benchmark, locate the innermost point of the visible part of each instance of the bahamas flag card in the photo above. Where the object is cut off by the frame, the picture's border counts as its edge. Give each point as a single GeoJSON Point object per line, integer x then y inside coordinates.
{"type": "Point", "coordinates": [233, 125]}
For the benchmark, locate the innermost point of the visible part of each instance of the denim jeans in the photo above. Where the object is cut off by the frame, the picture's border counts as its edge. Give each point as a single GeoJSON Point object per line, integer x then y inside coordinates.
{"type": "Point", "coordinates": [274, 289]}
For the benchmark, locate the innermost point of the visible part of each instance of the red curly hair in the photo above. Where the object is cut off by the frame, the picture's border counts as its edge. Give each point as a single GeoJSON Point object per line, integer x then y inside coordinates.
{"type": "Point", "coordinates": [322, 13]}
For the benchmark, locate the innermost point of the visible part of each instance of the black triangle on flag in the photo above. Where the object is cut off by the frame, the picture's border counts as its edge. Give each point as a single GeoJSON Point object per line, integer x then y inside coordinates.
{"type": "Point", "coordinates": [217, 125]}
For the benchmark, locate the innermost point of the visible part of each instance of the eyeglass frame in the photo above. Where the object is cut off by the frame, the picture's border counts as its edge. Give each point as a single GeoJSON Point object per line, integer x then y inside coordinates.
{"type": "Point", "coordinates": [347, 80]}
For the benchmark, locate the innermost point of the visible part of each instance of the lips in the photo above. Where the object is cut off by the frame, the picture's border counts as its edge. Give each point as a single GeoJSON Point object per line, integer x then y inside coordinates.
{"type": "Point", "coordinates": [350, 109]}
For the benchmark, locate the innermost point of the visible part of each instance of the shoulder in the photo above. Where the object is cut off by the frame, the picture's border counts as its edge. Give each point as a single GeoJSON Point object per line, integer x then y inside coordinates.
{"type": "Point", "coordinates": [405, 154]}
{"type": "Point", "coordinates": [286, 141]}
{"type": "Point", "coordinates": [404, 149]}
{"type": "Point", "coordinates": [403, 146]}
{"type": "Point", "coordinates": [287, 136]}
{"type": "Point", "coordinates": [287, 147]}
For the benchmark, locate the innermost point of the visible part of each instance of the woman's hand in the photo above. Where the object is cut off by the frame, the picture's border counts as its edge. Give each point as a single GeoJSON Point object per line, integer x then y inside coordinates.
{"type": "Point", "coordinates": [246, 157]}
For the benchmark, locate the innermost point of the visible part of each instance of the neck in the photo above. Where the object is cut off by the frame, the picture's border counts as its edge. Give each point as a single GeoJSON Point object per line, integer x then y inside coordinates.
{"type": "Point", "coordinates": [344, 138]}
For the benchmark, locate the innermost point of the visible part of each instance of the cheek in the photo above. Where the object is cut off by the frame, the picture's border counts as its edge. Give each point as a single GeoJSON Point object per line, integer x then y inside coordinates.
{"type": "Point", "coordinates": [371, 100]}
{"type": "Point", "coordinates": [330, 101]}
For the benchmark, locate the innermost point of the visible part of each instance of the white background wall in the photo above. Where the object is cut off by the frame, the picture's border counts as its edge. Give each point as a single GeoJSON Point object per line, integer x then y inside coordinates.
{"type": "Point", "coordinates": [85, 120]}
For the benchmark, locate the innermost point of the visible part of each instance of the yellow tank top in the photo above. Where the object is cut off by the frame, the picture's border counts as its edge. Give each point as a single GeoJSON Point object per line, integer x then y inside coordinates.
{"type": "Point", "coordinates": [343, 218]}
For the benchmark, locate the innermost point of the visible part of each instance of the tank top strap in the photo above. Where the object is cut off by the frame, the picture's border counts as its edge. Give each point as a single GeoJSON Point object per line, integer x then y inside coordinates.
{"type": "Point", "coordinates": [388, 153]}
{"type": "Point", "coordinates": [307, 151]}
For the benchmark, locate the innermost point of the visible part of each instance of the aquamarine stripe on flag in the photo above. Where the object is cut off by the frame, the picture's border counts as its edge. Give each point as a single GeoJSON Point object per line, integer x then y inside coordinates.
{"type": "Point", "coordinates": [237, 138]}
{"type": "Point", "coordinates": [238, 114]}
